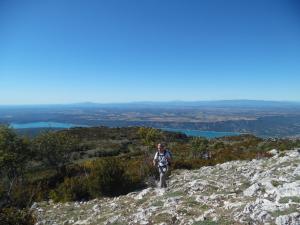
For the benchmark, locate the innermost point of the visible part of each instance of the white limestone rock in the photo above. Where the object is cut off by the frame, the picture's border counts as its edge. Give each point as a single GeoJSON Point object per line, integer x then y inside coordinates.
{"type": "Point", "coordinates": [290, 219]}
{"type": "Point", "coordinates": [256, 192]}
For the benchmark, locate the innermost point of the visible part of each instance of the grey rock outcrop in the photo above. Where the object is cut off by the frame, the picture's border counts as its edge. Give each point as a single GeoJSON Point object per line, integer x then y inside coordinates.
{"type": "Point", "coordinates": [265, 191]}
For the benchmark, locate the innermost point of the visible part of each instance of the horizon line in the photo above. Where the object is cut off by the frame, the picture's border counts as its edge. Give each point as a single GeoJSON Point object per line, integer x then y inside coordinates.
{"type": "Point", "coordinates": [148, 101]}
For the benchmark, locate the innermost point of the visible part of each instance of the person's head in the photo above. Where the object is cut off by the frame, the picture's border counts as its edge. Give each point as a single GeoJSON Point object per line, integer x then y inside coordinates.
{"type": "Point", "coordinates": [160, 146]}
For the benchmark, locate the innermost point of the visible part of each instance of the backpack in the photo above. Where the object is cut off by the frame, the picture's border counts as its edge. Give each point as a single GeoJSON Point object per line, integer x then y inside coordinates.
{"type": "Point", "coordinates": [171, 155]}
{"type": "Point", "coordinates": [165, 152]}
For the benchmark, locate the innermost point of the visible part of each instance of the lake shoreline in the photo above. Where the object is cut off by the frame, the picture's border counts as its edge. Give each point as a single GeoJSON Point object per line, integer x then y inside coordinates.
{"type": "Point", "coordinates": [58, 125]}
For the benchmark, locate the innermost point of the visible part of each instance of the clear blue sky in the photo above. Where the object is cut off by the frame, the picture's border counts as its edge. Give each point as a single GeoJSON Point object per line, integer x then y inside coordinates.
{"type": "Point", "coordinates": [60, 51]}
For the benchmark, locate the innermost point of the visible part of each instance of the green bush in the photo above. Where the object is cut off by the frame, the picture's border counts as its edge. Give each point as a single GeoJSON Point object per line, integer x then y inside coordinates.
{"type": "Point", "coordinates": [14, 216]}
{"type": "Point", "coordinates": [182, 165]}
{"type": "Point", "coordinates": [199, 146]}
{"type": "Point", "coordinates": [21, 195]}
{"type": "Point", "coordinates": [54, 149]}
{"type": "Point", "coordinates": [109, 178]}
{"type": "Point", "coordinates": [14, 157]}
{"type": "Point", "coordinates": [72, 189]}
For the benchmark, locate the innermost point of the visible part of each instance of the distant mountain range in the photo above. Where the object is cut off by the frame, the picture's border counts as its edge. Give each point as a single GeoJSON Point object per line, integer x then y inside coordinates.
{"type": "Point", "coordinates": [168, 104]}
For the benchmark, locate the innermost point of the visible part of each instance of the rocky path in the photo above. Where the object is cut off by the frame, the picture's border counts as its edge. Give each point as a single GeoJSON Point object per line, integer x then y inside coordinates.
{"type": "Point", "coordinates": [265, 191]}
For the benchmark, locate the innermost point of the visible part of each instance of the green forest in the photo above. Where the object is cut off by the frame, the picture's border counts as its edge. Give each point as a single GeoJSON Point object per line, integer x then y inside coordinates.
{"type": "Point", "coordinates": [79, 164]}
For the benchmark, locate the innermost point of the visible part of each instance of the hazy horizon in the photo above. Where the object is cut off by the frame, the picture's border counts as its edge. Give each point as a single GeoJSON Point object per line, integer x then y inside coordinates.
{"type": "Point", "coordinates": [158, 102]}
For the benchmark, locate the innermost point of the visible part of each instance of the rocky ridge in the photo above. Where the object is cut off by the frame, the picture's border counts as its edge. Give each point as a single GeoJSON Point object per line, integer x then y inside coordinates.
{"type": "Point", "coordinates": [264, 191]}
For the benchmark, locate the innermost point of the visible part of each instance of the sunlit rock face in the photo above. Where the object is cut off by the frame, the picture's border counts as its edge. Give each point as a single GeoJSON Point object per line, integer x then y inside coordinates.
{"type": "Point", "coordinates": [265, 191]}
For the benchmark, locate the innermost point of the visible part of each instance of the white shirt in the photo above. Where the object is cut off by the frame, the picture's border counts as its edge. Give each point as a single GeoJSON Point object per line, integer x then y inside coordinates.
{"type": "Point", "coordinates": [162, 158]}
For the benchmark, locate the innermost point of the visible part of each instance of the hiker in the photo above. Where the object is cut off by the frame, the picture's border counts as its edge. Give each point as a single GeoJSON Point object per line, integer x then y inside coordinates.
{"type": "Point", "coordinates": [162, 160]}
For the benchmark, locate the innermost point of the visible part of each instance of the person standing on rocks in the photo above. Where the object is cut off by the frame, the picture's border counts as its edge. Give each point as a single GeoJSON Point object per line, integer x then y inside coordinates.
{"type": "Point", "coordinates": [162, 160]}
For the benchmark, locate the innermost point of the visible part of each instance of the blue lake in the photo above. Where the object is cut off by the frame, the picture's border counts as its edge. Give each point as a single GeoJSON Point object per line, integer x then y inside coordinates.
{"type": "Point", "coordinates": [196, 133]}
{"type": "Point", "coordinates": [200, 133]}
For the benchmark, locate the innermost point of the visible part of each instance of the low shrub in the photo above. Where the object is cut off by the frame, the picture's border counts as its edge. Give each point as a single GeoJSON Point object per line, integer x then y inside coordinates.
{"type": "Point", "coordinates": [14, 216]}
{"type": "Point", "coordinates": [72, 189]}
{"type": "Point", "coordinates": [182, 165]}
{"type": "Point", "coordinates": [109, 178]}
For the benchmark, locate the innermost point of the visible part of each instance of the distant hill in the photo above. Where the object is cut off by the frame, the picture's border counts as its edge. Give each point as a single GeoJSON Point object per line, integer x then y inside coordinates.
{"type": "Point", "coordinates": [216, 103]}
{"type": "Point", "coordinates": [139, 104]}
